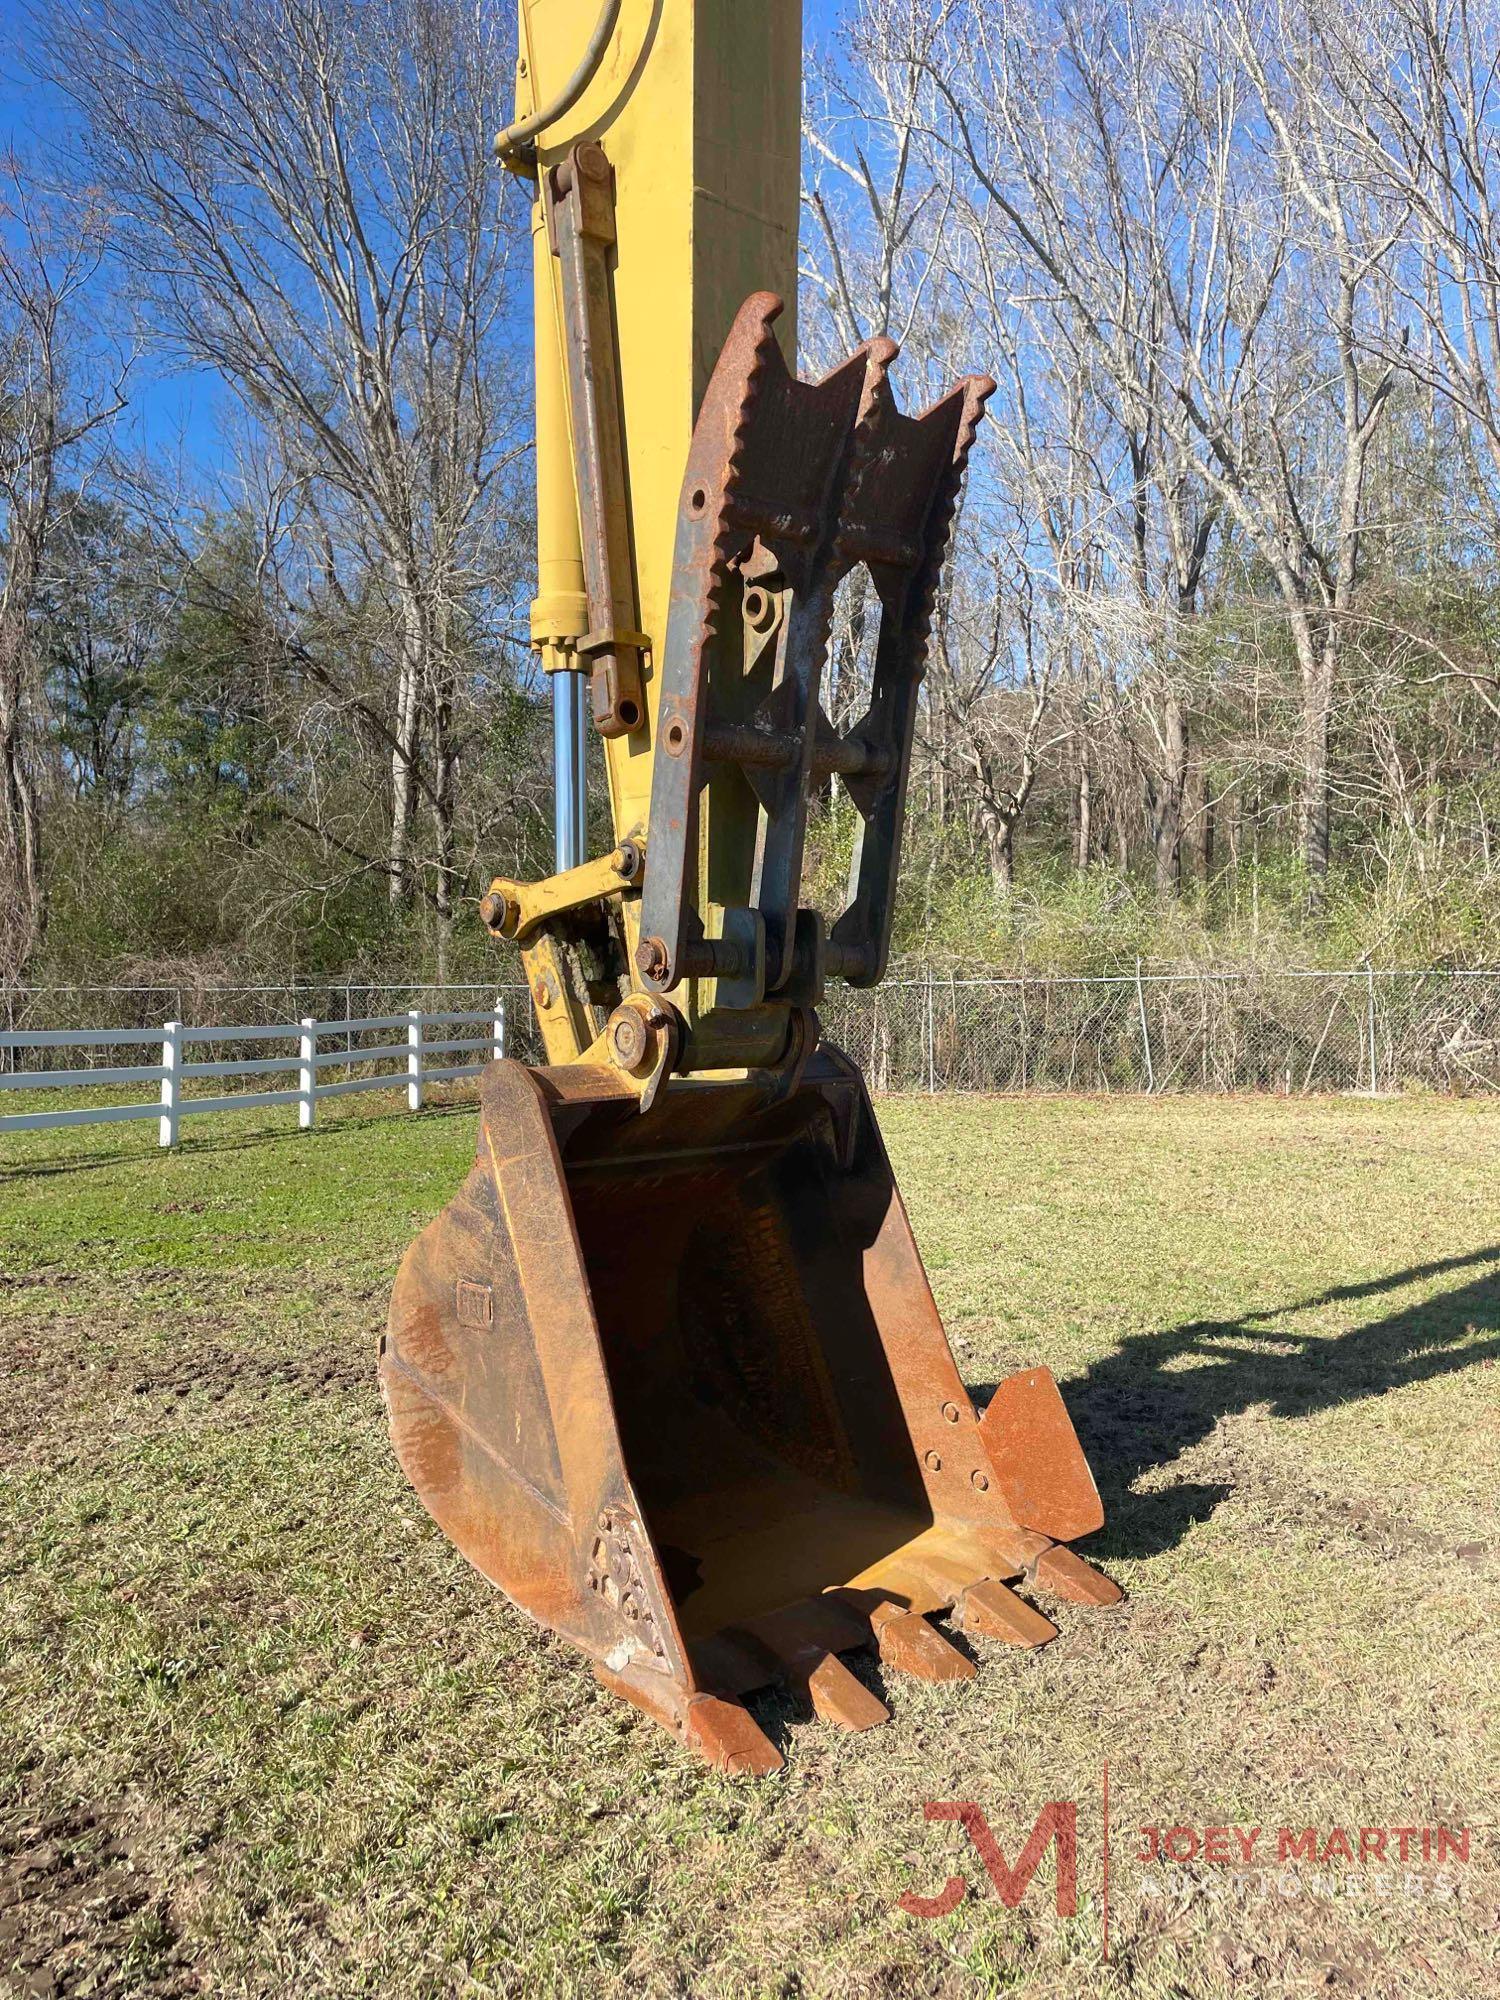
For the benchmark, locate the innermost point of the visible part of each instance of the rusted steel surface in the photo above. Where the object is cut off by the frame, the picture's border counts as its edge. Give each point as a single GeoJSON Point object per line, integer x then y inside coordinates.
{"type": "Point", "coordinates": [1037, 1459]}
{"type": "Point", "coordinates": [676, 1383]}
{"type": "Point", "coordinates": [910, 1645]}
{"type": "Point", "coordinates": [838, 1696]}
{"type": "Point", "coordinates": [994, 1610]}
{"type": "Point", "coordinates": [1067, 1575]}
{"type": "Point", "coordinates": [789, 486]}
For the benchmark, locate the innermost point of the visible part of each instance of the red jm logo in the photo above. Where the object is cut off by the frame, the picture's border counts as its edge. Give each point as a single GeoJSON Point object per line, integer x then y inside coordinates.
{"type": "Point", "coordinates": [1057, 1821]}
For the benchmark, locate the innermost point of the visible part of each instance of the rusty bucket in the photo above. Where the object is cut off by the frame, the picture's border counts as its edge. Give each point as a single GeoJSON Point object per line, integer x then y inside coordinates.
{"type": "Point", "coordinates": [677, 1384]}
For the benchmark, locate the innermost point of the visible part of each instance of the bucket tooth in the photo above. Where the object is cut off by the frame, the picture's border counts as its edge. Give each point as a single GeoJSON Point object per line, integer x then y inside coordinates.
{"type": "Point", "coordinates": [909, 1645]}
{"type": "Point", "coordinates": [994, 1611]}
{"type": "Point", "coordinates": [1069, 1576]}
{"type": "Point", "coordinates": [801, 1645]}
{"type": "Point", "coordinates": [841, 1697]}
{"type": "Point", "coordinates": [726, 1735]}
{"type": "Point", "coordinates": [721, 1731]}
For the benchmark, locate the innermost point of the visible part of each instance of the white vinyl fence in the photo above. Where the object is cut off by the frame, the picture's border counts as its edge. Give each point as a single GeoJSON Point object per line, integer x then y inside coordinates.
{"type": "Point", "coordinates": [1290, 1031]}
{"type": "Point", "coordinates": [406, 1054]}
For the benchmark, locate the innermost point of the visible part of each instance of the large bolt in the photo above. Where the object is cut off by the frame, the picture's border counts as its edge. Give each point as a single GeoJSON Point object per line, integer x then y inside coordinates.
{"type": "Point", "coordinates": [651, 958]}
{"type": "Point", "coordinates": [496, 911]}
{"type": "Point", "coordinates": [628, 1038]}
{"type": "Point", "coordinates": [626, 860]}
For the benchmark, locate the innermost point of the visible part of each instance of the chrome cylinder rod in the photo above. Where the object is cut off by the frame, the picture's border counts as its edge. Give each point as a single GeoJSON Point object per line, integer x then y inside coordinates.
{"type": "Point", "coordinates": [569, 744]}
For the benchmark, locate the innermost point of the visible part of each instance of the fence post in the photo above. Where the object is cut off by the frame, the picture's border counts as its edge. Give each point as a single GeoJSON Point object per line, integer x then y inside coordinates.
{"type": "Point", "coordinates": [307, 1076]}
{"type": "Point", "coordinates": [1140, 1001]}
{"type": "Point", "coordinates": [414, 1059]}
{"type": "Point", "coordinates": [171, 1083]}
{"type": "Point", "coordinates": [931, 1041]}
{"type": "Point", "coordinates": [497, 1033]}
{"type": "Point", "coordinates": [1370, 1018]}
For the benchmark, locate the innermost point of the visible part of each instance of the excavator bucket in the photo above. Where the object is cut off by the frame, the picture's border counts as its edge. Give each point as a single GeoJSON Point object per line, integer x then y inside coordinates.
{"type": "Point", "coordinates": [677, 1384]}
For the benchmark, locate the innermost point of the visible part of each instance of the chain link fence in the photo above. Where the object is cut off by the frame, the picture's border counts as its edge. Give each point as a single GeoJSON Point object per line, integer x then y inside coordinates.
{"type": "Point", "coordinates": [1286, 1032]}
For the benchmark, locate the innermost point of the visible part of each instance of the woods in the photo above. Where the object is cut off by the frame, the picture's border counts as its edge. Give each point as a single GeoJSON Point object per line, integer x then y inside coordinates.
{"type": "Point", "coordinates": [1216, 670]}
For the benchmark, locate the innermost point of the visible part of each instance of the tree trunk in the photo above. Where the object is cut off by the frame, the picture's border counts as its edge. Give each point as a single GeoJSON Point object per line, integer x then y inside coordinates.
{"type": "Point", "coordinates": [1315, 815]}
{"type": "Point", "coordinates": [997, 828]}
{"type": "Point", "coordinates": [23, 911]}
{"type": "Point", "coordinates": [1002, 846]}
{"type": "Point", "coordinates": [407, 739]}
{"type": "Point", "coordinates": [1314, 805]}
{"type": "Point", "coordinates": [1083, 851]}
{"type": "Point", "coordinates": [1119, 839]}
{"type": "Point", "coordinates": [444, 798]}
{"type": "Point", "coordinates": [1167, 797]}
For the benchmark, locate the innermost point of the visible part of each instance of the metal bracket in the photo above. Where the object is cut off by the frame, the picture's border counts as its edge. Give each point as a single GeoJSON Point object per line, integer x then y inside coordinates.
{"type": "Point", "coordinates": [789, 486]}
{"type": "Point", "coordinates": [517, 909]}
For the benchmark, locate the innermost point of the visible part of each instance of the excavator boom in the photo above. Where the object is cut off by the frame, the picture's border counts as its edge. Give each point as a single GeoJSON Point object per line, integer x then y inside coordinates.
{"type": "Point", "coordinates": [668, 1369]}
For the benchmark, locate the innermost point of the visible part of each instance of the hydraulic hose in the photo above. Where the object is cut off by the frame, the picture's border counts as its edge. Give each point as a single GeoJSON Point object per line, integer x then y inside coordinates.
{"type": "Point", "coordinates": [516, 145]}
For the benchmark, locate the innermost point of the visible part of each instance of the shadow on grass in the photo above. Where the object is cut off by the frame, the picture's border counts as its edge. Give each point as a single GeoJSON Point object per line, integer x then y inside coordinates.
{"type": "Point", "coordinates": [1159, 1394]}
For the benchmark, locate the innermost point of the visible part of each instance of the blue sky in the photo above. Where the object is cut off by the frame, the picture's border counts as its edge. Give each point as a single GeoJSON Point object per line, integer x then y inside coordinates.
{"type": "Point", "coordinates": [179, 410]}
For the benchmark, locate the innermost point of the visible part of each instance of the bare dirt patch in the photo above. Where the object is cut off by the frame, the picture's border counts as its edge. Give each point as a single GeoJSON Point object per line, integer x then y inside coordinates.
{"type": "Point", "coordinates": [79, 1913]}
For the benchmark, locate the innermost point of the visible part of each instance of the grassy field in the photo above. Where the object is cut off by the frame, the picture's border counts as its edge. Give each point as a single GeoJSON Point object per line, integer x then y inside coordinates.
{"type": "Point", "coordinates": [262, 1731]}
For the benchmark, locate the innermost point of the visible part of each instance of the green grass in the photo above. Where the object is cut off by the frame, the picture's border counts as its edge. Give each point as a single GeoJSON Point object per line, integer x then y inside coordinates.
{"type": "Point", "coordinates": [263, 1731]}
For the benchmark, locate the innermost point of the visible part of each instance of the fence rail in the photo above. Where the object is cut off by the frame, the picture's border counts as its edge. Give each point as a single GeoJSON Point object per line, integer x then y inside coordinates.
{"type": "Point", "coordinates": [1143, 1030]}
{"type": "Point", "coordinates": [174, 1070]}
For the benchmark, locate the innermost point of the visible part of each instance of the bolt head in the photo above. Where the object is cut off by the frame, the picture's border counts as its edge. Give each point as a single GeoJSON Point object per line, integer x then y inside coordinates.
{"type": "Point", "coordinates": [627, 1038]}
{"type": "Point", "coordinates": [651, 958]}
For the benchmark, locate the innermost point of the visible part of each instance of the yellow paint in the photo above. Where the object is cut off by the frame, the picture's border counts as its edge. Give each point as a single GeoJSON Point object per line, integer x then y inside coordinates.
{"type": "Point", "coordinates": [698, 106]}
{"type": "Point", "coordinates": [533, 903]}
{"type": "Point", "coordinates": [559, 612]}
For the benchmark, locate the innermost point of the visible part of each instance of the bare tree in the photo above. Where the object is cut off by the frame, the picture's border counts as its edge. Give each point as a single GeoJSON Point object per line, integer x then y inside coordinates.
{"type": "Point", "coordinates": [51, 405]}
{"type": "Point", "coordinates": [307, 207]}
{"type": "Point", "coordinates": [1411, 84]}
{"type": "Point", "coordinates": [1001, 657]}
{"type": "Point", "coordinates": [1219, 284]}
{"type": "Point", "coordinates": [876, 215]}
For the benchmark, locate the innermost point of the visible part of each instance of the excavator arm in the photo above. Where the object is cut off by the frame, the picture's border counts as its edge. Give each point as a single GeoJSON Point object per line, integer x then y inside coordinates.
{"type": "Point", "coordinates": [668, 1369]}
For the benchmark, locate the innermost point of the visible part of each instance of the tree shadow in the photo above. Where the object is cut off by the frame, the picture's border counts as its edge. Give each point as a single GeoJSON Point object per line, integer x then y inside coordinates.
{"type": "Point", "coordinates": [1159, 1394]}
